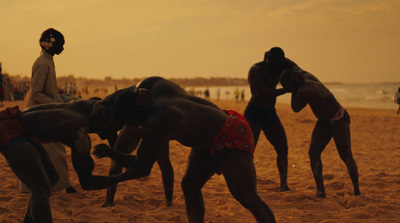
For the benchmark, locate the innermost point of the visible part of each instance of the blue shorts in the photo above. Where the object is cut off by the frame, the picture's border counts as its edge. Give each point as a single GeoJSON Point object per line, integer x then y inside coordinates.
{"type": "Point", "coordinates": [260, 115]}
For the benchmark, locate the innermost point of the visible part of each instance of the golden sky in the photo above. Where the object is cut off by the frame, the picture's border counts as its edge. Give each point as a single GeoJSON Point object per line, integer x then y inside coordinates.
{"type": "Point", "coordinates": [336, 40]}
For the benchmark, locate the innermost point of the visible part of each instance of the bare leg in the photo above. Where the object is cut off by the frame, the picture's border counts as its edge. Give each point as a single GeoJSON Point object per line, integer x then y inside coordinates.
{"type": "Point", "coordinates": [126, 143]}
{"type": "Point", "coordinates": [341, 135]}
{"type": "Point", "coordinates": [320, 138]}
{"type": "Point", "coordinates": [201, 167]}
{"type": "Point", "coordinates": [26, 162]}
{"type": "Point", "coordinates": [256, 129]}
{"type": "Point", "coordinates": [110, 194]}
{"type": "Point", "coordinates": [275, 133]}
{"type": "Point", "coordinates": [167, 173]}
{"type": "Point", "coordinates": [240, 176]}
{"type": "Point", "coordinates": [122, 159]}
{"type": "Point", "coordinates": [163, 161]}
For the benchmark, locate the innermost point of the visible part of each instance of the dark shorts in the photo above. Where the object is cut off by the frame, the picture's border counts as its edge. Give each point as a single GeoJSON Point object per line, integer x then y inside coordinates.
{"type": "Point", "coordinates": [346, 117]}
{"type": "Point", "coordinates": [260, 115]}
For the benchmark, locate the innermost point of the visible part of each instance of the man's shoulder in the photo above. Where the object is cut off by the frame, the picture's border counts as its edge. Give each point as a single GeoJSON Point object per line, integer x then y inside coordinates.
{"type": "Point", "coordinates": [256, 67]}
{"type": "Point", "coordinates": [290, 64]}
{"type": "Point", "coordinates": [41, 61]}
{"type": "Point", "coordinates": [259, 64]}
{"type": "Point", "coordinates": [312, 87]}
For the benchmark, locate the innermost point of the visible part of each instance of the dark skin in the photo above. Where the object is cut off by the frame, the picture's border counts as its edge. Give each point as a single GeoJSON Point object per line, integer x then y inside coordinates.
{"type": "Point", "coordinates": [263, 78]}
{"type": "Point", "coordinates": [172, 114]}
{"type": "Point", "coordinates": [307, 89]}
{"type": "Point", "coordinates": [68, 124]}
{"type": "Point", "coordinates": [31, 164]}
{"type": "Point", "coordinates": [130, 137]}
{"type": "Point", "coordinates": [127, 142]}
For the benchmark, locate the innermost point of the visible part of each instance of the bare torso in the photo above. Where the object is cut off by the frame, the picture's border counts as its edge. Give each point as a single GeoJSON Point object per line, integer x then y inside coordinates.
{"type": "Point", "coordinates": [322, 102]}
{"type": "Point", "coordinates": [263, 80]}
{"type": "Point", "coordinates": [192, 124]}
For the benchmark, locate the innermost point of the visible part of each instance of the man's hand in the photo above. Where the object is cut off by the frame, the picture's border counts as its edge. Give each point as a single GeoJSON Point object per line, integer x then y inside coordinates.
{"type": "Point", "coordinates": [124, 160]}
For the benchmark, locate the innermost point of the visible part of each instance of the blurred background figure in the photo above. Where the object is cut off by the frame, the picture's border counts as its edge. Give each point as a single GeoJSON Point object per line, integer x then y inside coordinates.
{"type": "Point", "coordinates": [397, 99]}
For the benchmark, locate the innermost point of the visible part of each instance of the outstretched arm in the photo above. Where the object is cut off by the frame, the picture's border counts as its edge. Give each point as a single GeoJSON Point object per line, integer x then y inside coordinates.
{"type": "Point", "coordinates": [259, 88]}
{"type": "Point", "coordinates": [145, 158]}
{"type": "Point", "coordinates": [124, 160]}
{"type": "Point", "coordinates": [83, 164]}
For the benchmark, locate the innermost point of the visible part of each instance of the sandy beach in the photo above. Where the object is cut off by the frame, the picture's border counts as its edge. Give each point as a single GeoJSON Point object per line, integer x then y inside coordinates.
{"type": "Point", "coordinates": [375, 146]}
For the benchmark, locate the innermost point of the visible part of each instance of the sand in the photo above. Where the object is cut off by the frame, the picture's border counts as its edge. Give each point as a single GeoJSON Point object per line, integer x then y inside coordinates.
{"type": "Point", "coordinates": [376, 149]}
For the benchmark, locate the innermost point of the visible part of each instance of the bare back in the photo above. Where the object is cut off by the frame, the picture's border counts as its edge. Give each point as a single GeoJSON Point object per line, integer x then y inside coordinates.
{"type": "Point", "coordinates": [190, 123]}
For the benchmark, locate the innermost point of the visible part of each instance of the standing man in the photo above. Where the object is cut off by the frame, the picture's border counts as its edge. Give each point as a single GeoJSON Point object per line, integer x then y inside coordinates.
{"type": "Point", "coordinates": [333, 122]}
{"type": "Point", "coordinates": [44, 90]}
{"type": "Point", "coordinates": [260, 112]}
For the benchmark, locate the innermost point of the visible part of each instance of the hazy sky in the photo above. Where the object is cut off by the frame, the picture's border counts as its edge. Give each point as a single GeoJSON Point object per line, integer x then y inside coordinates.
{"type": "Point", "coordinates": [336, 40]}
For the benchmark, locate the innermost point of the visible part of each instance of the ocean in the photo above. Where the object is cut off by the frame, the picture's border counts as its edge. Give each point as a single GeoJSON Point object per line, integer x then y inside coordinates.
{"type": "Point", "coordinates": [371, 95]}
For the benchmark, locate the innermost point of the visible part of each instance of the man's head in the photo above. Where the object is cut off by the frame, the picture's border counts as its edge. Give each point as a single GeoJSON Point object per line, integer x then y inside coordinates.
{"type": "Point", "coordinates": [274, 57]}
{"type": "Point", "coordinates": [130, 105]}
{"type": "Point", "coordinates": [291, 79]}
{"type": "Point", "coordinates": [52, 41]}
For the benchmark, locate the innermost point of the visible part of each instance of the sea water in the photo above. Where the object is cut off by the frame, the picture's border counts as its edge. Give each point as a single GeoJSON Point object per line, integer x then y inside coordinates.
{"type": "Point", "coordinates": [363, 95]}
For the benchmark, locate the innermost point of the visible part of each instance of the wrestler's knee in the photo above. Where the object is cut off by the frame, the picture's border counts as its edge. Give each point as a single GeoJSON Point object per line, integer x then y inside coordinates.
{"type": "Point", "coordinates": [44, 189]}
{"type": "Point", "coordinates": [348, 160]}
{"type": "Point", "coordinates": [185, 184]}
{"type": "Point", "coordinates": [188, 186]}
{"type": "Point", "coordinates": [85, 184]}
{"type": "Point", "coordinates": [246, 198]}
{"type": "Point", "coordinates": [282, 151]}
{"type": "Point", "coordinates": [133, 172]}
{"type": "Point", "coordinates": [313, 155]}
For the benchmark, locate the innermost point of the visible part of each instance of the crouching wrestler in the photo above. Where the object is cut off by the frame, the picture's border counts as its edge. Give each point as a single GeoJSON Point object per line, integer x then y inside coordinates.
{"type": "Point", "coordinates": [221, 142]}
{"type": "Point", "coordinates": [104, 120]}
{"type": "Point", "coordinates": [333, 122]}
{"type": "Point", "coordinates": [21, 140]}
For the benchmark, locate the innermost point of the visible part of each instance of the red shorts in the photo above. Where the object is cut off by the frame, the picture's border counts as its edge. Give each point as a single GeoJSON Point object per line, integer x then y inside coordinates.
{"type": "Point", "coordinates": [10, 126]}
{"type": "Point", "coordinates": [234, 134]}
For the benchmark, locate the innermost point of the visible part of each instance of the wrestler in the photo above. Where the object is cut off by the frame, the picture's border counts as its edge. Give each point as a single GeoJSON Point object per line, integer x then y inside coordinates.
{"type": "Point", "coordinates": [263, 78]}
{"type": "Point", "coordinates": [127, 141]}
{"type": "Point", "coordinates": [220, 141]}
{"type": "Point", "coordinates": [333, 122]}
{"type": "Point", "coordinates": [67, 123]}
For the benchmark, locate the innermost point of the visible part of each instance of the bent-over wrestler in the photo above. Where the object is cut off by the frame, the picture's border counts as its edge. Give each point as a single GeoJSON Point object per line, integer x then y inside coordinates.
{"type": "Point", "coordinates": [333, 122]}
{"type": "Point", "coordinates": [67, 123]}
{"type": "Point", "coordinates": [221, 141]}
{"type": "Point", "coordinates": [127, 142]}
